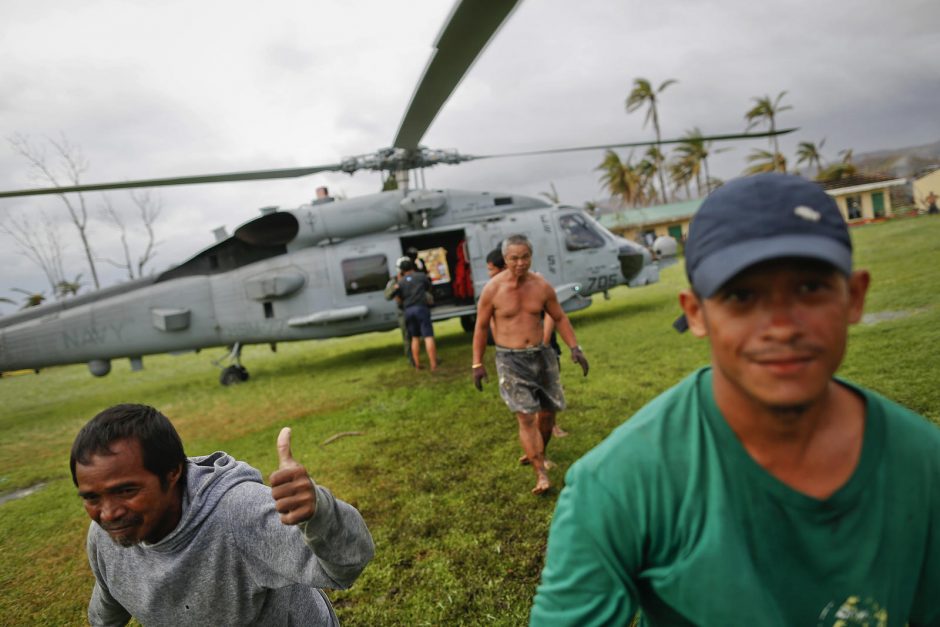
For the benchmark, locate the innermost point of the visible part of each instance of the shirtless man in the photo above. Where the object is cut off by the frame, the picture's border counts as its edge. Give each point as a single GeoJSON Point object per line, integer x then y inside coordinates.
{"type": "Point", "coordinates": [494, 265]}
{"type": "Point", "coordinates": [528, 369]}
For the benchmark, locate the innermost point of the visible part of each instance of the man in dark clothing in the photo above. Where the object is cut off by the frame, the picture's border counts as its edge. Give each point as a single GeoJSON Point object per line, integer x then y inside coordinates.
{"type": "Point", "coordinates": [201, 540]}
{"type": "Point", "coordinates": [413, 289]}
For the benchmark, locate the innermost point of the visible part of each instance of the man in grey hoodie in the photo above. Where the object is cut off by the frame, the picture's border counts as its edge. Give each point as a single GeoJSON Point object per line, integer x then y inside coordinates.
{"type": "Point", "coordinates": [200, 541]}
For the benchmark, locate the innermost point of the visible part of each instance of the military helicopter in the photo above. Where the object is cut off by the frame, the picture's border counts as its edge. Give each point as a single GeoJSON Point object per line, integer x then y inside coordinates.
{"type": "Point", "coordinates": [319, 270]}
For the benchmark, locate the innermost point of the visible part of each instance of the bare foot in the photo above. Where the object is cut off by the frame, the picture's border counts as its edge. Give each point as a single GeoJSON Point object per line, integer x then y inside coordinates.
{"type": "Point", "coordinates": [558, 432]}
{"type": "Point", "coordinates": [549, 464]}
{"type": "Point", "coordinates": [542, 485]}
{"type": "Point", "coordinates": [524, 461]}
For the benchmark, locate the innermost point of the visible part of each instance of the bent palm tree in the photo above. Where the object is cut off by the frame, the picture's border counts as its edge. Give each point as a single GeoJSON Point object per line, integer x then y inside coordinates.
{"type": "Point", "coordinates": [644, 94]}
{"type": "Point", "coordinates": [33, 299]}
{"type": "Point", "coordinates": [841, 170]}
{"type": "Point", "coordinates": [809, 153]}
{"type": "Point", "coordinates": [621, 178]}
{"type": "Point", "coordinates": [766, 110]}
{"type": "Point", "coordinates": [68, 288]}
{"type": "Point", "coordinates": [647, 170]}
{"type": "Point", "coordinates": [695, 150]}
{"type": "Point", "coordinates": [765, 161]}
{"type": "Point", "coordinates": [681, 172]}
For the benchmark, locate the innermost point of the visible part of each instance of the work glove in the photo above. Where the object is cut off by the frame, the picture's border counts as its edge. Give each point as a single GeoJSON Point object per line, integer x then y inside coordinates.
{"type": "Point", "coordinates": [577, 356]}
{"type": "Point", "coordinates": [479, 376]}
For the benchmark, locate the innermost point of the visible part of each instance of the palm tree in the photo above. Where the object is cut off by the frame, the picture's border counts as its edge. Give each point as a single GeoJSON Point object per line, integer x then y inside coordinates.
{"type": "Point", "coordinates": [33, 299]}
{"type": "Point", "coordinates": [689, 164]}
{"type": "Point", "coordinates": [68, 288]}
{"type": "Point", "coordinates": [696, 150]}
{"type": "Point", "coordinates": [614, 177]}
{"type": "Point", "coordinates": [621, 178]}
{"type": "Point", "coordinates": [647, 170]}
{"type": "Point", "coordinates": [766, 110]}
{"type": "Point", "coordinates": [840, 170]}
{"type": "Point", "coordinates": [681, 172]}
{"type": "Point", "coordinates": [644, 94]}
{"type": "Point", "coordinates": [765, 161]}
{"type": "Point", "coordinates": [809, 153]}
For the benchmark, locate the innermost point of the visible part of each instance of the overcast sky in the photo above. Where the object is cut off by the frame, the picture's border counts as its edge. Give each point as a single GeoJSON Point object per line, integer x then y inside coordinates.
{"type": "Point", "coordinates": [150, 89]}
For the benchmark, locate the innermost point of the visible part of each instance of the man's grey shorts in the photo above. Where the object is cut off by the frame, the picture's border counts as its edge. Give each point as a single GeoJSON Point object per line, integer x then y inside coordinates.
{"type": "Point", "coordinates": [529, 379]}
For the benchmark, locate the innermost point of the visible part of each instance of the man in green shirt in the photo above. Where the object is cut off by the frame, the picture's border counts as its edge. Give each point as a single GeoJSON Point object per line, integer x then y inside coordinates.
{"type": "Point", "coordinates": [760, 490]}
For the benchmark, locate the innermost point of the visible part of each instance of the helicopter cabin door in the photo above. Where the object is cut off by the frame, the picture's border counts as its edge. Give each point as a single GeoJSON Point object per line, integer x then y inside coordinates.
{"type": "Point", "coordinates": [583, 252]}
{"type": "Point", "coordinates": [446, 256]}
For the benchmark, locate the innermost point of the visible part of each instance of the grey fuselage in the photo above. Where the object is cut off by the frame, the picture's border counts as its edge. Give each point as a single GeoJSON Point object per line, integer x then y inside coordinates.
{"type": "Point", "coordinates": [318, 272]}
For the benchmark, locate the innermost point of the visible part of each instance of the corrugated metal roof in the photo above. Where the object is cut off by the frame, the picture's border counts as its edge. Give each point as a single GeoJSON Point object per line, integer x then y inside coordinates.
{"type": "Point", "coordinates": [642, 216]}
{"type": "Point", "coordinates": [857, 179]}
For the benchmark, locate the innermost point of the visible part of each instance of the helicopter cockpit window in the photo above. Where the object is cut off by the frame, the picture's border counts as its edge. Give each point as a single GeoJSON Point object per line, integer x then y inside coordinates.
{"type": "Point", "coordinates": [579, 234]}
{"type": "Point", "coordinates": [365, 274]}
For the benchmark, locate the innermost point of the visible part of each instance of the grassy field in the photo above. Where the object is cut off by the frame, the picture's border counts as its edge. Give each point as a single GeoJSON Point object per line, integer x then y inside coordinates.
{"type": "Point", "coordinates": [459, 538]}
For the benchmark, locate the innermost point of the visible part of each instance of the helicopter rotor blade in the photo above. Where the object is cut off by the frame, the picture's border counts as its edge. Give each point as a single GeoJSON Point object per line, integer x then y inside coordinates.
{"type": "Point", "coordinates": [471, 25]}
{"type": "Point", "coordinates": [251, 175]}
{"type": "Point", "coordinates": [709, 138]}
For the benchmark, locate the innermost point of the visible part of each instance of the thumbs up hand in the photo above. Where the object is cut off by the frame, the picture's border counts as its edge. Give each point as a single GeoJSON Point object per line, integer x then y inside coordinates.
{"type": "Point", "coordinates": [295, 498]}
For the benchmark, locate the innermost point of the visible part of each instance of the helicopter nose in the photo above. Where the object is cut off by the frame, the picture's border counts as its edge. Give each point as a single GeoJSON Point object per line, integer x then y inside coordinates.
{"type": "Point", "coordinates": [632, 259]}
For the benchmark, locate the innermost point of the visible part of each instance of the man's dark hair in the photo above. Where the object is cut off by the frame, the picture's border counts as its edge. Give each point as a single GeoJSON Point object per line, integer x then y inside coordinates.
{"type": "Point", "coordinates": [412, 252]}
{"type": "Point", "coordinates": [495, 257]}
{"type": "Point", "coordinates": [160, 443]}
{"type": "Point", "coordinates": [406, 265]}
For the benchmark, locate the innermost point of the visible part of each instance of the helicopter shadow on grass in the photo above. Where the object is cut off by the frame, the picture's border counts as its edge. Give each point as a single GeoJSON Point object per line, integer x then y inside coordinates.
{"type": "Point", "coordinates": [621, 314]}
{"type": "Point", "coordinates": [366, 357]}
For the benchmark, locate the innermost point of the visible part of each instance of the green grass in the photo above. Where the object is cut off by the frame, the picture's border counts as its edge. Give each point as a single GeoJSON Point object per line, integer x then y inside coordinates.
{"type": "Point", "coordinates": [459, 538]}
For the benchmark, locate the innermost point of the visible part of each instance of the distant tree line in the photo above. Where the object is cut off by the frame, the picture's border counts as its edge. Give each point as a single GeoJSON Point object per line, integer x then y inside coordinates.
{"type": "Point", "coordinates": [634, 179]}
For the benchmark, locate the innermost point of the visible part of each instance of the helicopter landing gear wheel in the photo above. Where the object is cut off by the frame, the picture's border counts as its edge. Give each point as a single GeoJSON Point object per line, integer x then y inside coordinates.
{"type": "Point", "coordinates": [233, 374]}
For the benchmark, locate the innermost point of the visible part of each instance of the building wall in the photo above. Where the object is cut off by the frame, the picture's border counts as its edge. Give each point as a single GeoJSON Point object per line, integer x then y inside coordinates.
{"type": "Point", "coordinates": [867, 205]}
{"type": "Point", "coordinates": [923, 186]}
{"type": "Point", "coordinates": [635, 232]}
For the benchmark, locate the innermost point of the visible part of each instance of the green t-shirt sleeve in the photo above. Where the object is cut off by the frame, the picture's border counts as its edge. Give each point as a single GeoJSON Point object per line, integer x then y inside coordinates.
{"type": "Point", "coordinates": [591, 559]}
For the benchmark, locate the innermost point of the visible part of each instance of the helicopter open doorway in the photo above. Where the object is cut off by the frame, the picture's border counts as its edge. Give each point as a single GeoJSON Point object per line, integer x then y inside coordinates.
{"type": "Point", "coordinates": [446, 256]}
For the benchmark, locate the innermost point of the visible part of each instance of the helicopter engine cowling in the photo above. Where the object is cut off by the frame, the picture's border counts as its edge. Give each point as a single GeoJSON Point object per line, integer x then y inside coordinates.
{"type": "Point", "coordinates": [342, 219]}
{"type": "Point", "coordinates": [309, 225]}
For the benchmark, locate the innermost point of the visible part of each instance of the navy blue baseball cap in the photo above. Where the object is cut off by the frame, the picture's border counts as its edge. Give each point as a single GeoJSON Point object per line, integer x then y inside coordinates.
{"type": "Point", "coordinates": [758, 218]}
